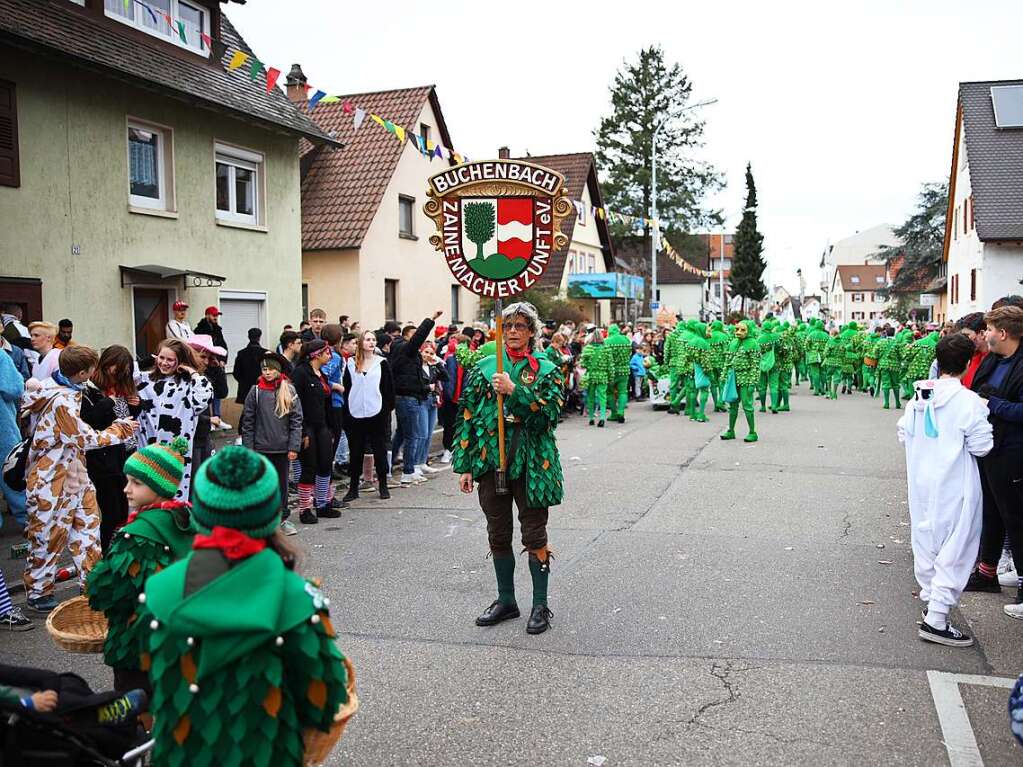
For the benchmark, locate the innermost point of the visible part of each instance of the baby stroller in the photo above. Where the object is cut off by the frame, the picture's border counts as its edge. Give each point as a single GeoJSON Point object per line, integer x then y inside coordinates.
{"type": "Point", "coordinates": [76, 734]}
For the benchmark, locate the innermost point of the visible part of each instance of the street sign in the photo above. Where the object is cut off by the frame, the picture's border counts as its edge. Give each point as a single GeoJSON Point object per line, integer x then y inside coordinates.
{"type": "Point", "coordinates": [498, 222]}
{"type": "Point", "coordinates": [655, 305]}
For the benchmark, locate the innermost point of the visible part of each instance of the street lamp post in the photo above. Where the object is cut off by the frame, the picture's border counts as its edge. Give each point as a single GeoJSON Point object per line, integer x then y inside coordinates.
{"type": "Point", "coordinates": [655, 240]}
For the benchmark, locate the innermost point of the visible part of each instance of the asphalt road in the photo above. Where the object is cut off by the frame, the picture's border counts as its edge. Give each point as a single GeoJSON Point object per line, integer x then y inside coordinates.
{"type": "Point", "coordinates": [715, 603]}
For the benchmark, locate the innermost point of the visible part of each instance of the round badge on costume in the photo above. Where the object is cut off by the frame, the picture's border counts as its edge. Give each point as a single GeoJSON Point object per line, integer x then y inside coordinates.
{"type": "Point", "coordinates": [527, 376]}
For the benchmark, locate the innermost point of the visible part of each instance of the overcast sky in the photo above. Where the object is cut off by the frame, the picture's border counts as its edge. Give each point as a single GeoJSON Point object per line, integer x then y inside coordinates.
{"type": "Point", "coordinates": [843, 109]}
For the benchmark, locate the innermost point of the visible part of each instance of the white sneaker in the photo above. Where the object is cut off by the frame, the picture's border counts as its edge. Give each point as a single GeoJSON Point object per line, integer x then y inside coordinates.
{"type": "Point", "coordinates": [412, 479]}
{"type": "Point", "coordinates": [225, 426]}
{"type": "Point", "coordinates": [427, 469]}
{"type": "Point", "coordinates": [1007, 571]}
{"type": "Point", "coordinates": [1015, 610]}
{"type": "Point", "coordinates": [446, 458]}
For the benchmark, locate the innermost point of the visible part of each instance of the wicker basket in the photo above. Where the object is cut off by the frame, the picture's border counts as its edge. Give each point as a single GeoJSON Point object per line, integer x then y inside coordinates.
{"type": "Point", "coordinates": [319, 744]}
{"type": "Point", "coordinates": [76, 627]}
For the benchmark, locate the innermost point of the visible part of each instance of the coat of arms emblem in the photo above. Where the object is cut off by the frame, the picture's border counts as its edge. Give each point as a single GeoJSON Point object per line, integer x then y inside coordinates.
{"type": "Point", "coordinates": [498, 223]}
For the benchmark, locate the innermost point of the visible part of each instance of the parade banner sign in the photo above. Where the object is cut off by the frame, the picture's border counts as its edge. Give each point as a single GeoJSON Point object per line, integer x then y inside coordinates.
{"type": "Point", "coordinates": [498, 222]}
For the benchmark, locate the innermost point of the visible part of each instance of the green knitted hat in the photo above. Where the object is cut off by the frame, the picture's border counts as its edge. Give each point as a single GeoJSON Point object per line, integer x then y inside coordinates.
{"type": "Point", "coordinates": [159, 467]}
{"type": "Point", "coordinates": [237, 488]}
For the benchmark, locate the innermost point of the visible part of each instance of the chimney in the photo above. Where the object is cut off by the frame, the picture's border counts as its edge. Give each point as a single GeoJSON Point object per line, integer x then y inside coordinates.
{"type": "Point", "coordinates": [296, 82]}
{"type": "Point", "coordinates": [503, 153]}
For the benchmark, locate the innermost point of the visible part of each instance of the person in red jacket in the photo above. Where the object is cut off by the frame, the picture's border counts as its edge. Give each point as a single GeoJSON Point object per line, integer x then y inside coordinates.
{"type": "Point", "coordinates": [972, 326]}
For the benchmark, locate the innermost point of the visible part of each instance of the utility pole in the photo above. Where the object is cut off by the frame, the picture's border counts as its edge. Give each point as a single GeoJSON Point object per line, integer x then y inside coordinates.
{"type": "Point", "coordinates": [655, 241]}
{"type": "Point", "coordinates": [721, 272]}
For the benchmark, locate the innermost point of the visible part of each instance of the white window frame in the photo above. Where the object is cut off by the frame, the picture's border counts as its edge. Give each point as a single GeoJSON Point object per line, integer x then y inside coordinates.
{"type": "Point", "coordinates": [164, 162]}
{"type": "Point", "coordinates": [168, 34]}
{"type": "Point", "coordinates": [238, 157]}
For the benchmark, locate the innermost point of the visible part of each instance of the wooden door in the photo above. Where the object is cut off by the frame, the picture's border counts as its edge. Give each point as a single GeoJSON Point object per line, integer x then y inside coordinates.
{"type": "Point", "coordinates": [28, 294]}
{"type": "Point", "coordinates": [150, 319]}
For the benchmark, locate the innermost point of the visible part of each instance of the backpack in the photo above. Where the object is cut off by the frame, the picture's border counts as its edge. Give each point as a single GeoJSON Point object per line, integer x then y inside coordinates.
{"type": "Point", "coordinates": [15, 466]}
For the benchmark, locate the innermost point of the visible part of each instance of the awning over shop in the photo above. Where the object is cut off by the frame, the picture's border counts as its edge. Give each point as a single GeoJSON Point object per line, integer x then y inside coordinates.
{"type": "Point", "coordinates": [154, 274]}
{"type": "Point", "coordinates": [605, 285]}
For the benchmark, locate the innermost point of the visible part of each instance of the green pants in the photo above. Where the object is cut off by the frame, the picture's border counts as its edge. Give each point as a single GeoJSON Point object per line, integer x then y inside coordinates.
{"type": "Point", "coordinates": [674, 391]}
{"type": "Point", "coordinates": [618, 395]}
{"type": "Point", "coordinates": [889, 384]}
{"type": "Point", "coordinates": [690, 390]}
{"type": "Point", "coordinates": [715, 391]}
{"type": "Point", "coordinates": [831, 375]}
{"type": "Point", "coordinates": [596, 399]}
{"type": "Point", "coordinates": [813, 370]}
{"type": "Point", "coordinates": [784, 386]}
{"type": "Point", "coordinates": [746, 399]}
{"type": "Point", "coordinates": [769, 380]}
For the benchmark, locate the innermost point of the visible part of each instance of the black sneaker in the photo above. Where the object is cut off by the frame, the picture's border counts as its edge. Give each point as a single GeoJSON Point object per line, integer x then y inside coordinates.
{"type": "Point", "coordinates": [981, 582]}
{"type": "Point", "coordinates": [950, 636]}
{"type": "Point", "coordinates": [338, 504]}
{"type": "Point", "coordinates": [15, 620]}
{"type": "Point", "coordinates": [327, 512]}
{"type": "Point", "coordinates": [600, 424]}
{"type": "Point", "coordinates": [351, 495]}
{"type": "Point", "coordinates": [307, 517]}
{"type": "Point", "coordinates": [591, 422]}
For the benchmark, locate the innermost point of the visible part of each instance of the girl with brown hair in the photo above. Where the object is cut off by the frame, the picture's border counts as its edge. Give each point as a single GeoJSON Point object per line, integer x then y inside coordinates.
{"type": "Point", "coordinates": [172, 395]}
{"type": "Point", "coordinates": [109, 395]}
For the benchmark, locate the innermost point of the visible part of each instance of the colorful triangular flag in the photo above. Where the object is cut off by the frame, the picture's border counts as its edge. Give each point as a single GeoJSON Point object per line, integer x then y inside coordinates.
{"type": "Point", "coordinates": [181, 32]}
{"type": "Point", "coordinates": [346, 107]}
{"type": "Point", "coordinates": [255, 67]}
{"type": "Point", "coordinates": [271, 78]}
{"type": "Point", "coordinates": [400, 133]}
{"type": "Point", "coordinates": [377, 119]}
{"type": "Point", "coordinates": [437, 151]}
{"type": "Point", "coordinates": [205, 40]}
{"type": "Point", "coordinates": [315, 99]}
{"type": "Point", "coordinates": [238, 59]}
{"type": "Point", "coordinates": [360, 115]}
{"type": "Point", "coordinates": [329, 100]}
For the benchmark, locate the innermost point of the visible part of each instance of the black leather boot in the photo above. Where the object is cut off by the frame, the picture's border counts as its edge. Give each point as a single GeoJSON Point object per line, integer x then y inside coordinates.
{"type": "Point", "coordinates": [539, 619]}
{"type": "Point", "coordinates": [497, 612]}
{"type": "Point", "coordinates": [384, 492]}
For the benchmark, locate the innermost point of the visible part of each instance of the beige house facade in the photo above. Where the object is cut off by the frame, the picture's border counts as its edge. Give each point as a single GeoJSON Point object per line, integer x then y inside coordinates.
{"type": "Point", "coordinates": [120, 206]}
{"type": "Point", "coordinates": [366, 240]}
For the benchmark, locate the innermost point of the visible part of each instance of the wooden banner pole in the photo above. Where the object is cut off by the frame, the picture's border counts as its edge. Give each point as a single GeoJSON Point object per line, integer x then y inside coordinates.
{"type": "Point", "coordinates": [500, 476]}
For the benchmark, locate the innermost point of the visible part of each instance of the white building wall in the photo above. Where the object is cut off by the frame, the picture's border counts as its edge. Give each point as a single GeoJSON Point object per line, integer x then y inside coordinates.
{"type": "Point", "coordinates": [681, 299]}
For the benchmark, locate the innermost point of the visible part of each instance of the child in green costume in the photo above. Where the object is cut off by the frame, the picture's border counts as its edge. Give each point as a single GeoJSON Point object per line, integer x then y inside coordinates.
{"type": "Point", "coordinates": [619, 350]}
{"type": "Point", "coordinates": [786, 353]}
{"type": "Point", "coordinates": [816, 341]}
{"type": "Point", "coordinates": [743, 362]}
{"type": "Point", "coordinates": [158, 533]}
{"type": "Point", "coordinates": [240, 649]}
{"type": "Point", "coordinates": [596, 361]}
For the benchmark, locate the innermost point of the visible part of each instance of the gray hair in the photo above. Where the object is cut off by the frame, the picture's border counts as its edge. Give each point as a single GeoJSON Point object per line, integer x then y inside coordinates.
{"type": "Point", "coordinates": [528, 311]}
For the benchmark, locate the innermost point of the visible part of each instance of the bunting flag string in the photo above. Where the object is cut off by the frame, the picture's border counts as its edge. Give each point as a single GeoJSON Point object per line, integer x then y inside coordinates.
{"type": "Point", "coordinates": [675, 256]}
{"type": "Point", "coordinates": [426, 147]}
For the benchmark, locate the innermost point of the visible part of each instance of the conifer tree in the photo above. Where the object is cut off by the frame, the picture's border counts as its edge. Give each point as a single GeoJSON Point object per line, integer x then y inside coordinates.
{"type": "Point", "coordinates": [748, 263]}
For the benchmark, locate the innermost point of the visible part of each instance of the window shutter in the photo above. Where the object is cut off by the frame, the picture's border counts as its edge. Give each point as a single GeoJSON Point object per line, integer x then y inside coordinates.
{"type": "Point", "coordinates": [10, 172]}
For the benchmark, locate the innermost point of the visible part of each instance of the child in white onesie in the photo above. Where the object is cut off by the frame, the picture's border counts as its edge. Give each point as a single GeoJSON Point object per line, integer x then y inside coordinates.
{"type": "Point", "coordinates": [945, 429]}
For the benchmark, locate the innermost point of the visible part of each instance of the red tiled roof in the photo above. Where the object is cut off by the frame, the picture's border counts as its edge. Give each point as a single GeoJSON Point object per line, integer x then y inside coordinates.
{"type": "Point", "coordinates": [579, 169]}
{"type": "Point", "coordinates": [867, 274]}
{"type": "Point", "coordinates": [343, 188]}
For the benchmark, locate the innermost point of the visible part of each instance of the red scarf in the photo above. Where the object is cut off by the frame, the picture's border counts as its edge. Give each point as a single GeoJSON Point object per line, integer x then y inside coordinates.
{"type": "Point", "coordinates": [233, 543]}
{"type": "Point", "coordinates": [161, 505]}
{"type": "Point", "coordinates": [517, 357]}
{"type": "Point", "coordinates": [274, 385]}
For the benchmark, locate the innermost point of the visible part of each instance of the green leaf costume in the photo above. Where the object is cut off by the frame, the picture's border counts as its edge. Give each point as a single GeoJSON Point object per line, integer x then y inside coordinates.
{"type": "Point", "coordinates": [888, 352]}
{"type": "Point", "coordinates": [743, 360]}
{"type": "Point", "coordinates": [240, 666]}
{"type": "Point", "coordinates": [619, 350]}
{"type": "Point", "coordinates": [531, 416]}
{"type": "Point", "coordinates": [158, 537]}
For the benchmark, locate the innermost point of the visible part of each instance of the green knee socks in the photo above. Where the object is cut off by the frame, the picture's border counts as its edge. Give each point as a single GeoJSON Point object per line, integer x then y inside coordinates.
{"type": "Point", "coordinates": [539, 573]}
{"type": "Point", "coordinates": [504, 569]}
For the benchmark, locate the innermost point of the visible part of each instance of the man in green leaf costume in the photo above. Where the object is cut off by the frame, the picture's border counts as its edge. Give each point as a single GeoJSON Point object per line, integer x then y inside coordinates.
{"type": "Point", "coordinates": [769, 365]}
{"type": "Point", "coordinates": [887, 352]}
{"type": "Point", "coordinates": [816, 341]}
{"type": "Point", "coordinates": [786, 351]}
{"type": "Point", "coordinates": [240, 649]}
{"type": "Point", "coordinates": [596, 361]}
{"type": "Point", "coordinates": [851, 356]}
{"type": "Point", "coordinates": [719, 341]}
{"type": "Point", "coordinates": [834, 358]}
{"type": "Point", "coordinates": [699, 354]}
{"type": "Point", "coordinates": [619, 350]}
{"type": "Point", "coordinates": [674, 360]}
{"type": "Point", "coordinates": [531, 389]}
{"type": "Point", "coordinates": [919, 358]}
{"type": "Point", "coordinates": [158, 533]}
{"type": "Point", "coordinates": [869, 369]}
{"type": "Point", "coordinates": [743, 362]}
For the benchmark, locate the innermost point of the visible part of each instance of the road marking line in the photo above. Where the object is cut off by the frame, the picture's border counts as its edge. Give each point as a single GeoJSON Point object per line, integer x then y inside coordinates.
{"type": "Point", "coordinates": [956, 731]}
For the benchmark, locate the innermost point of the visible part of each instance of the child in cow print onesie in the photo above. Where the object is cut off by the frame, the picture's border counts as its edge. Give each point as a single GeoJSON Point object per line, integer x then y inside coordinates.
{"type": "Point", "coordinates": [173, 395]}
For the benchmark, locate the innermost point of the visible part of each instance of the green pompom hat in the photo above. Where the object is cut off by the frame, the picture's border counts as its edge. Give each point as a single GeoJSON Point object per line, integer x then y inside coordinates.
{"type": "Point", "coordinates": [236, 488]}
{"type": "Point", "coordinates": [159, 467]}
